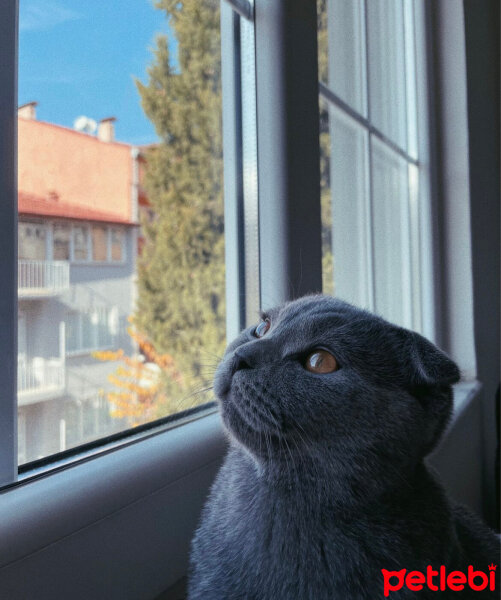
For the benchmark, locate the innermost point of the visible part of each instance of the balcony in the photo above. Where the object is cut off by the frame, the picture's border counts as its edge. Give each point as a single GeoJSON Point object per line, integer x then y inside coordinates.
{"type": "Point", "coordinates": [39, 379]}
{"type": "Point", "coordinates": [39, 278]}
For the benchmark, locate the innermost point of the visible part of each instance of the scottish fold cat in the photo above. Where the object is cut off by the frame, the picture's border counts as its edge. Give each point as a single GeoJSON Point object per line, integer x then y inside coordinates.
{"type": "Point", "coordinates": [324, 493]}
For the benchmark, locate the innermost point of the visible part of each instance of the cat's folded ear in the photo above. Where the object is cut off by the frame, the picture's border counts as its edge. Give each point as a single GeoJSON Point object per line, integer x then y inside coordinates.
{"type": "Point", "coordinates": [424, 364]}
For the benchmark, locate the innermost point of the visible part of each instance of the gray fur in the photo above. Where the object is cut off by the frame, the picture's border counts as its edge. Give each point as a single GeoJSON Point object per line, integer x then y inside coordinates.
{"type": "Point", "coordinates": [324, 484]}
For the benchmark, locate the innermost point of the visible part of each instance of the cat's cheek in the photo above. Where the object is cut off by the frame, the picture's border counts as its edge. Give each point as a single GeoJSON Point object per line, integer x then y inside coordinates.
{"type": "Point", "coordinates": [222, 380]}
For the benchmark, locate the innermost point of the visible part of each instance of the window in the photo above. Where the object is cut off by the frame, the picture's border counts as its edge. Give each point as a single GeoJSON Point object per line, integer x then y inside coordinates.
{"type": "Point", "coordinates": [91, 330]}
{"type": "Point", "coordinates": [80, 242]}
{"type": "Point", "coordinates": [125, 339]}
{"type": "Point", "coordinates": [32, 241]}
{"type": "Point", "coordinates": [99, 243]}
{"type": "Point", "coordinates": [276, 214]}
{"type": "Point", "coordinates": [61, 233]}
{"type": "Point", "coordinates": [103, 244]}
{"type": "Point", "coordinates": [117, 243]}
{"type": "Point", "coordinates": [374, 179]}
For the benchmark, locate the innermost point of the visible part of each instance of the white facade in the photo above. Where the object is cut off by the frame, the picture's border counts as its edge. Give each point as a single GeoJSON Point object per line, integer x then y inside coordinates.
{"type": "Point", "coordinates": [75, 290]}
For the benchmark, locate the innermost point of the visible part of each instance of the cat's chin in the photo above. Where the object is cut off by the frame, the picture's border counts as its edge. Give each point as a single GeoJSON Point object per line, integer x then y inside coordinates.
{"type": "Point", "coordinates": [256, 441]}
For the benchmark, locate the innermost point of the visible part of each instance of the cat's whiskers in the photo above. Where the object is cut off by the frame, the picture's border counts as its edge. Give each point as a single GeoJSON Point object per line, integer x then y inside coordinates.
{"type": "Point", "coordinates": [287, 461]}
{"type": "Point", "coordinates": [307, 448]}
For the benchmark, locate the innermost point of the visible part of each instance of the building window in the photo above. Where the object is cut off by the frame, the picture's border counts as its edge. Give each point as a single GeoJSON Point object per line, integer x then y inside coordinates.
{"type": "Point", "coordinates": [374, 184]}
{"type": "Point", "coordinates": [80, 242]}
{"type": "Point", "coordinates": [32, 241]}
{"type": "Point", "coordinates": [90, 330]}
{"type": "Point", "coordinates": [61, 234]}
{"type": "Point", "coordinates": [99, 243]}
{"type": "Point", "coordinates": [117, 244]}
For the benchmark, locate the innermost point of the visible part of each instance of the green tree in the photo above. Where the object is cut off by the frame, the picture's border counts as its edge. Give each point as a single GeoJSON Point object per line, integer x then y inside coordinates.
{"type": "Point", "coordinates": [325, 191]}
{"type": "Point", "coordinates": [180, 304]}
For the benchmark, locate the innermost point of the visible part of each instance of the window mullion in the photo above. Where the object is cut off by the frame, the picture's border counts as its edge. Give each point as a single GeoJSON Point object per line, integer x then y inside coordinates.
{"type": "Point", "coordinates": [233, 184]}
{"type": "Point", "coordinates": [371, 274]}
{"type": "Point", "coordinates": [288, 149]}
{"type": "Point", "coordinates": [8, 241]}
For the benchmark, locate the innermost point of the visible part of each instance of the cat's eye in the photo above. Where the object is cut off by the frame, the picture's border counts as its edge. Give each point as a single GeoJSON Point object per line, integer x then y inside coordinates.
{"type": "Point", "coordinates": [321, 361]}
{"type": "Point", "coordinates": [262, 328]}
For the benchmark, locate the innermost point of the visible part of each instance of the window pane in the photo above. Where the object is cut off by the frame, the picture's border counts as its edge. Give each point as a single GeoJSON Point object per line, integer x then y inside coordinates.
{"type": "Point", "coordinates": [61, 241]}
{"type": "Point", "coordinates": [387, 85]}
{"type": "Point", "coordinates": [348, 170]}
{"type": "Point", "coordinates": [99, 243]}
{"type": "Point", "coordinates": [369, 192]}
{"type": "Point", "coordinates": [80, 242]}
{"type": "Point", "coordinates": [391, 235]}
{"type": "Point", "coordinates": [115, 338]}
{"type": "Point", "coordinates": [344, 42]}
{"type": "Point", "coordinates": [31, 241]}
{"type": "Point", "coordinates": [117, 244]}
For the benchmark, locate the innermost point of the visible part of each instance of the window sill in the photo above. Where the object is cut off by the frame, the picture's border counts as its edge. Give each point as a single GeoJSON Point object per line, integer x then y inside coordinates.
{"type": "Point", "coordinates": [135, 505]}
{"type": "Point", "coordinates": [464, 393]}
{"type": "Point", "coordinates": [458, 457]}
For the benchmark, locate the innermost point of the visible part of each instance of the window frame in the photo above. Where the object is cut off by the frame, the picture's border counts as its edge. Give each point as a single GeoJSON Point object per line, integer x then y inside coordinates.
{"type": "Point", "coordinates": [8, 240]}
{"type": "Point", "coordinates": [108, 261]}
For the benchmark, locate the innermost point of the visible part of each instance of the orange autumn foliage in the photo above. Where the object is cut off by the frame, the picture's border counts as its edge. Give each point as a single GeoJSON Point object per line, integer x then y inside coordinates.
{"type": "Point", "coordinates": [138, 379]}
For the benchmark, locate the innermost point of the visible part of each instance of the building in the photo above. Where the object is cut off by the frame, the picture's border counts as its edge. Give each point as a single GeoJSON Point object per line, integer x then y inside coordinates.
{"type": "Point", "coordinates": [78, 242]}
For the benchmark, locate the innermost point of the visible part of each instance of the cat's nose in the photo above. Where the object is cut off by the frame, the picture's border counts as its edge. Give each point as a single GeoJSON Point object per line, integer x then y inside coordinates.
{"type": "Point", "coordinates": [242, 361]}
{"type": "Point", "coordinates": [250, 356]}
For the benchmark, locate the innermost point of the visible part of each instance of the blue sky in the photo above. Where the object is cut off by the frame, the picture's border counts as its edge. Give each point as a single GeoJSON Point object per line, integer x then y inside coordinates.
{"type": "Point", "coordinates": [80, 58]}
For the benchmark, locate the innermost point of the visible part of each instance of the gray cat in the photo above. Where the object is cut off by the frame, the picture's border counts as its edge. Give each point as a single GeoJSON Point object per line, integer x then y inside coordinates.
{"type": "Point", "coordinates": [324, 494]}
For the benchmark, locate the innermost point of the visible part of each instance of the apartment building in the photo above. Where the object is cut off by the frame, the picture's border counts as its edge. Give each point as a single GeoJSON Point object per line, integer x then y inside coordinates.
{"type": "Point", "coordinates": [78, 241]}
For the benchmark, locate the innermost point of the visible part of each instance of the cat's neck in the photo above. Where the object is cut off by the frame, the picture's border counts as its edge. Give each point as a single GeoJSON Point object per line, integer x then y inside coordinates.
{"type": "Point", "coordinates": [329, 482]}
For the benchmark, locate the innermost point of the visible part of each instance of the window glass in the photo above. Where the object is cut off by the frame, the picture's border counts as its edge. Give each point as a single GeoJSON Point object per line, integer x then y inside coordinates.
{"type": "Point", "coordinates": [391, 234]}
{"type": "Point", "coordinates": [61, 241]}
{"type": "Point", "coordinates": [112, 346]}
{"type": "Point", "coordinates": [386, 73]}
{"type": "Point", "coordinates": [117, 241]}
{"type": "Point", "coordinates": [31, 241]}
{"type": "Point", "coordinates": [99, 243]}
{"type": "Point", "coordinates": [80, 242]}
{"type": "Point", "coordinates": [342, 38]}
{"type": "Point", "coordinates": [369, 155]}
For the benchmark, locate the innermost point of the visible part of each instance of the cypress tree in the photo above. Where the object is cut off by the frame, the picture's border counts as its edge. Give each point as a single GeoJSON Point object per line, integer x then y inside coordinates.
{"type": "Point", "coordinates": [180, 303]}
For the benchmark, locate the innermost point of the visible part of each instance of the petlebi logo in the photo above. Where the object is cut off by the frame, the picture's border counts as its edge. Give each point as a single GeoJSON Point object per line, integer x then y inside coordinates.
{"type": "Point", "coordinates": [440, 580]}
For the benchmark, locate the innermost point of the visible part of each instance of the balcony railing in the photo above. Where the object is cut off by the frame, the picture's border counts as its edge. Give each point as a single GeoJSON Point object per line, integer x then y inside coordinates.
{"type": "Point", "coordinates": [42, 277]}
{"type": "Point", "coordinates": [39, 379]}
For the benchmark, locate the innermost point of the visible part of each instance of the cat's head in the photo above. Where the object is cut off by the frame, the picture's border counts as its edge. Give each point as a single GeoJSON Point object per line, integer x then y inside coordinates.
{"type": "Point", "coordinates": [320, 372]}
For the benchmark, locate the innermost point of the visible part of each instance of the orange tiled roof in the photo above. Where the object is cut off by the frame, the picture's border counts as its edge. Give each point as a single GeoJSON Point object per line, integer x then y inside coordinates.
{"type": "Point", "coordinates": [29, 204]}
{"type": "Point", "coordinates": [65, 173]}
